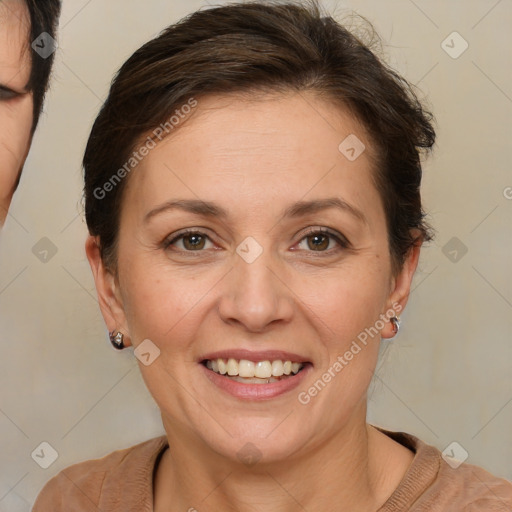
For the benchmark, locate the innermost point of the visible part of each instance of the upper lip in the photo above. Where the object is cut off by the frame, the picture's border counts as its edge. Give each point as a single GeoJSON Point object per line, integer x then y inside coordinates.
{"type": "Point", "coordinates": [250, 355]}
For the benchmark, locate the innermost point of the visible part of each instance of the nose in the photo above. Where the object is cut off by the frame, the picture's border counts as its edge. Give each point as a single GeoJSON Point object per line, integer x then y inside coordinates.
{"type": "Point", "coordinates": [255, 295]}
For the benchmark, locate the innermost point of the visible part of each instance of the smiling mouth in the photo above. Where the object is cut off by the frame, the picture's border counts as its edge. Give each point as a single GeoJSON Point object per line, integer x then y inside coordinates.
{"type": "Point", "coordinates": [250, 372]}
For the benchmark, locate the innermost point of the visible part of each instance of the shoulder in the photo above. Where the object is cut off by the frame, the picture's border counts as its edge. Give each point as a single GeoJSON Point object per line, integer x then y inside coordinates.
{"type": "Point", "coordinates": [475, 487]}
{"type": "Point", "coordinates": [88, 484]}
{"type": "Point", "coordinates": [436, 484]}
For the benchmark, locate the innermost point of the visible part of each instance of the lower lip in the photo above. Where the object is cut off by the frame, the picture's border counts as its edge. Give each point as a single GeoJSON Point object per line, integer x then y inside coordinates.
{"type": "Point", "coordinates": [256, 391]}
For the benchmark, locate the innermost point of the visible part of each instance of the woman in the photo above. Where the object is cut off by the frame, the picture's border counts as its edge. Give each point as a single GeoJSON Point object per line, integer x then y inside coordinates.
{"type": "Point", "coordinates": [27, 45]}
{"type": "Point", "coordinates": [252, 197]}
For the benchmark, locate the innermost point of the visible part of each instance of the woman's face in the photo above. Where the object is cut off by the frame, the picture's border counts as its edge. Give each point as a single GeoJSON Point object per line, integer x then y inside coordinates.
{"type": "Point", "coordinates": [254, 183]}
{"type": "Point", "coordinates": [16, 102]}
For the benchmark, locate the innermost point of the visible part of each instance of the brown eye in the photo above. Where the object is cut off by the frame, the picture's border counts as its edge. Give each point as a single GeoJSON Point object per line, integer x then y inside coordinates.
{"type": "Point", "coordinates": [7, 94]}
{"type": "Point", "coordinates": [318, 242]}
{"type": "Point", "coordinates": [188, 241]}
{"type": "Point", "coordinates": [193, 242]}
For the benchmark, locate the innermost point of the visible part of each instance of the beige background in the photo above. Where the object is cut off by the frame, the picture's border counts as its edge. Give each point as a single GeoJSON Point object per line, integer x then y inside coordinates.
{"type": "Point", "coordinates": [447, 377]}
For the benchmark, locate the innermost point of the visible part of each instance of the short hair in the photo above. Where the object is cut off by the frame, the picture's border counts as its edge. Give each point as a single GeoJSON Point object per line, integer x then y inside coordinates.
{"type": "Point", "coordinates": [44, 17]}
{"type": "Point", "coordinates": [252, 47]}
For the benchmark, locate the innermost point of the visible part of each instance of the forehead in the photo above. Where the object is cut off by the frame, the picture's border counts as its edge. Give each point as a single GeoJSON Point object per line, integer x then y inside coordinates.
{"type": "Point", "coordinates": [14, 44]}
{"type": "Point", "coordinates": [256, 157]}
{"type": "Point", "coordinates": [291, 134]}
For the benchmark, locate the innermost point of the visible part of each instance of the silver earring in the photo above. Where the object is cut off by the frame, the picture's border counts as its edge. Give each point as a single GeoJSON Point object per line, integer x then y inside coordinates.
{"type": "Point", "coordinates": [116, 339]}
{"type": "Point", "coordinates": [395, 321]}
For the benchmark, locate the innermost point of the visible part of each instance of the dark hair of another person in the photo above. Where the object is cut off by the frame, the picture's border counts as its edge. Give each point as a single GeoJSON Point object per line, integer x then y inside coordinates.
{"type": "Point", "coordinates": [44, 17]}
{"type": "Point", "coordinates": [247, 48]}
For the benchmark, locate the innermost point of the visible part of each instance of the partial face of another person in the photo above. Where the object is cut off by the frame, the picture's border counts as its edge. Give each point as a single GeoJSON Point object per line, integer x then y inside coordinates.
{"type": "Point", "coordinates": [247, 234]}
{"type": "Point", "coordinates": [16, 103]}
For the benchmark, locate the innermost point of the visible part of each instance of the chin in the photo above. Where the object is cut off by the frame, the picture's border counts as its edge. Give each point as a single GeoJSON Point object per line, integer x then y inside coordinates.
{"type": "Point", "coordinates": [257, 440]}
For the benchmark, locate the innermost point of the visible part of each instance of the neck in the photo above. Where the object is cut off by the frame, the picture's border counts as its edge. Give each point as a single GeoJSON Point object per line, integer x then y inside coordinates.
{"type": "Point", "coordinates": [344, 473]}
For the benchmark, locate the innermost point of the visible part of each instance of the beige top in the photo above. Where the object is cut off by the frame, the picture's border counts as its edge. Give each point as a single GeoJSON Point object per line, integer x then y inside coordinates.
{"type": "Point", "coordinates": [123, 482]}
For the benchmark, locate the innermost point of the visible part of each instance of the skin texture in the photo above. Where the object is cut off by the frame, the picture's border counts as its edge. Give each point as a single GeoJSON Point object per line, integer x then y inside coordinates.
{"type": "Point", "coordinates": [255, 158]}
{"type": "Point", "coordinates": [16, 103]}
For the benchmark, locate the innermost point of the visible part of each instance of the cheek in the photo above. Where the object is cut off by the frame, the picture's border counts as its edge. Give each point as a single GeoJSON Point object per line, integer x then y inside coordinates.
{"type": "Point", "coordinates": [347, 306]}
{"type": "Point", "coordinates": [338, 304]}
{"type": "Point", "coordinates": [346, 300]}
{"type": "Point", "coordinates": [16, 123]}
{"type": "Point", "coordinates": [161, 304]}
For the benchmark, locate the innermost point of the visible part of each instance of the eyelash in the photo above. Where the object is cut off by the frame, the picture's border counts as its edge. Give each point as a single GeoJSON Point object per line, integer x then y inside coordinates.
{"type": "Point", "coordinates": [7, 94]}
{"type": "Point", "coordinates": [340, 240]}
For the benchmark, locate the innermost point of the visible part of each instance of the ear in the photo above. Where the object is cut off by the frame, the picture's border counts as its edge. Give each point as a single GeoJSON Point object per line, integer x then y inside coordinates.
{"type": "Point", "coordinates": [401, 287]}
{"type": "Point", "coordinates": [107, 288]}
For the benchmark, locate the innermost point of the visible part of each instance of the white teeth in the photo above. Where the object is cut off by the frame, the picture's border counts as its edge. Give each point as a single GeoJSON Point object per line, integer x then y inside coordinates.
{"type": "Point", "coordinates": [245, 369]}
{"type": "Point", "coordinates": [277, 368]}
{"type": "Point", "coordinates": [254, 380]}
{"type": "Point", "coordinates": [222, 366]}
{"type": "Point", "coordinates": [232, 367]}
{"type": "Point", "coordinates": [263, 370]}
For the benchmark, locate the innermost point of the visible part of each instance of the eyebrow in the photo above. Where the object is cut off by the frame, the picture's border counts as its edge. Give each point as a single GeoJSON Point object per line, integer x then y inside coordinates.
{"type": "Point", "coordinates": [298, 209]}
{"type": "Point", "coordinates": [196, 206]}
{"type": "Point", "coordinates": [308, 207]}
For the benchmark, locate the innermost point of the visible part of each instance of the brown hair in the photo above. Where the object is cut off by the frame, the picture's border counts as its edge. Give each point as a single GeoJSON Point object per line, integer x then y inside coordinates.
{"type": "Point", "coordinates": [44, 16]}
{"type": "Point", "coordinates": [251, 47]}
